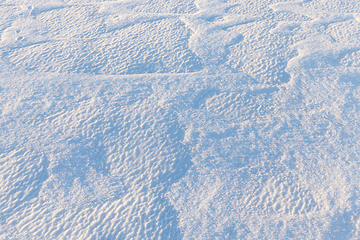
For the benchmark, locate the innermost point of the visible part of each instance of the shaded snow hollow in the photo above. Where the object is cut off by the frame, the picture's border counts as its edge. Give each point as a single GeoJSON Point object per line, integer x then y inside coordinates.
{"type": "Point", "coordinates": [179, 119]}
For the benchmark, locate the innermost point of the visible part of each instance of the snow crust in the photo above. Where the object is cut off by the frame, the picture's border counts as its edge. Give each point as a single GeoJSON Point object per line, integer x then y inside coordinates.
{"type": "Point", "coordinates": [179, 119]}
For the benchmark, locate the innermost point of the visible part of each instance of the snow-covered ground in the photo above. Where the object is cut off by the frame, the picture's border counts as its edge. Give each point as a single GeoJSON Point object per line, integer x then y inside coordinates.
{"type": "Point", "coordinates": [179, 119]}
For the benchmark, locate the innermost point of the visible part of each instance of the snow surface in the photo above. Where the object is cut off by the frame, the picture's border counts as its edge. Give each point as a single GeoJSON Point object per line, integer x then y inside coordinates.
{"type": "Point", "coordinates": [179, 119]}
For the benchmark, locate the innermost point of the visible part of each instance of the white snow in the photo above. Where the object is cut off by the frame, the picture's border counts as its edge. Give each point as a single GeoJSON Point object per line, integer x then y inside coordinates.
{"type": "Point", "coordinates": [179, 119]}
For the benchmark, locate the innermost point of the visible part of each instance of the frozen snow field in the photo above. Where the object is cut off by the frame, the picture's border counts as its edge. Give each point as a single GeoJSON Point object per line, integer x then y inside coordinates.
{"type": "Point", "coordinates": [179, 119]}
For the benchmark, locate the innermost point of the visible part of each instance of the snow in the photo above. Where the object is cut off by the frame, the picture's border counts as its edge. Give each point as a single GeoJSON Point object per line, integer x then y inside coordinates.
{"type": "Point", "coordinates": [204, 119]}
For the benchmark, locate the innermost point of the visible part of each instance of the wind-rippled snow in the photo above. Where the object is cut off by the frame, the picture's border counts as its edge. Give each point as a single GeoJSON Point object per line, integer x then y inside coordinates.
{"type": "Point", "coordinates": [179, 119]}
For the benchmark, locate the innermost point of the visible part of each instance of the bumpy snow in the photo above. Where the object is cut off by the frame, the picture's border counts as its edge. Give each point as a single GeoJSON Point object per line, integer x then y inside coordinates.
{"type": "Point", "coordinates": [179, 119]}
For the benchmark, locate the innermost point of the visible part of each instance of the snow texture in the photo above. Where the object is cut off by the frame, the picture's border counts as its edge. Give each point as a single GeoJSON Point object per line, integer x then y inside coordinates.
{"type": "Point", "coordinates": [179, 119]}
